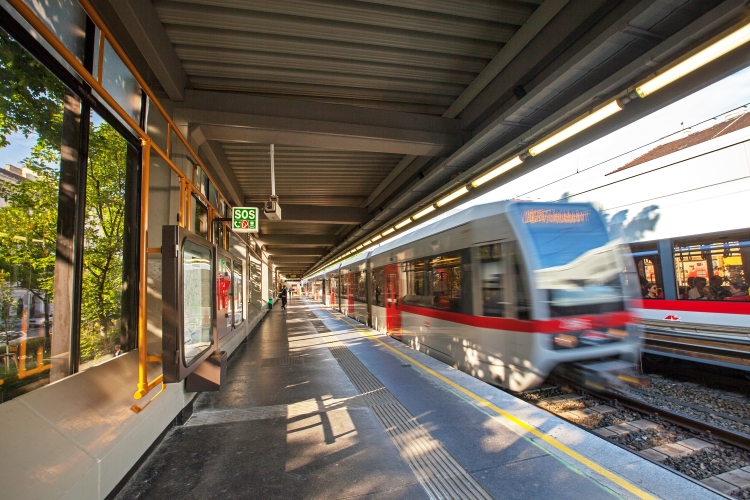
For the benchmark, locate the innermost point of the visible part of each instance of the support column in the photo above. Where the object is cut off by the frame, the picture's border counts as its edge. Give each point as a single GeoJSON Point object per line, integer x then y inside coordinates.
{"type": "Point", "coordinates": [70, 224]}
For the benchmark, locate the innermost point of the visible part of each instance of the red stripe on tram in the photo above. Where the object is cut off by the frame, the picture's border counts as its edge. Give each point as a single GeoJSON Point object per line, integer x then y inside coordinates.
{"type": "Point", "coordinates": [571, 323]}
{"type": "Point", "coordinates": [703, 306]}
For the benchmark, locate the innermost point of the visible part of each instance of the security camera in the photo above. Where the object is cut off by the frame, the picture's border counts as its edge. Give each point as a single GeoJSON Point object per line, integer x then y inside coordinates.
{"type": "Point", "coordinates": [272, 209]}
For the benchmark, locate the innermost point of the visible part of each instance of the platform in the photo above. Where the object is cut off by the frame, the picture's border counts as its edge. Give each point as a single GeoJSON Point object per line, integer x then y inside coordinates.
{"type": "Point", "coordinates": [318, 406]}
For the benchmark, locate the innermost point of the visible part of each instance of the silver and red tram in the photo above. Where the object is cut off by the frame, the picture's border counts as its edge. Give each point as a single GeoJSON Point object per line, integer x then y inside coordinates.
{"type": "Point", "coordinates": [503, 291]}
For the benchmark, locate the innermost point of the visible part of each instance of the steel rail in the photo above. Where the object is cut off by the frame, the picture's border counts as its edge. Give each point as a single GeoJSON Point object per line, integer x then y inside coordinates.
{"type": "Point", "coordinates": [730, 437]}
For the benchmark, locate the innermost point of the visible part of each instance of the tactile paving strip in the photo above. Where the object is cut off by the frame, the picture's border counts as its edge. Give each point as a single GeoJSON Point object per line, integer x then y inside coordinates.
{"type": "Point", "coordinates": [436, 469]}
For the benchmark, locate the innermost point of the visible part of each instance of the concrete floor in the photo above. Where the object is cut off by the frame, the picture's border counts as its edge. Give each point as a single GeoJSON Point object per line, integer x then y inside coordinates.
{"type": "Point", "coordinates": [293, 421]}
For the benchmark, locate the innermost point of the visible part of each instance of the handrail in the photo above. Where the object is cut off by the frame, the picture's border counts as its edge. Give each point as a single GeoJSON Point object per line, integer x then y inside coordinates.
{"type": "Point", "coordinates": [143, 386]}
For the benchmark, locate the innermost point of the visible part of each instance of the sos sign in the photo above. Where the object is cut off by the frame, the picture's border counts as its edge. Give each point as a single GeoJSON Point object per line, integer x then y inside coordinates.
{"type": "Point", "coordinates": [245, 219]}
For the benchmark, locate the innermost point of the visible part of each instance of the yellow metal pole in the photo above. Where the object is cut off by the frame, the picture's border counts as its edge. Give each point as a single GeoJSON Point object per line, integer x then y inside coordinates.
{"type": "Point", "coordinates": [143, 385]}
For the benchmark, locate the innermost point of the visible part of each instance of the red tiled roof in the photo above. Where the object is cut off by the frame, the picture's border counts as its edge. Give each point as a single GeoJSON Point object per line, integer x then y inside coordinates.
{"type": "Point", "coordinates": [717, 130]}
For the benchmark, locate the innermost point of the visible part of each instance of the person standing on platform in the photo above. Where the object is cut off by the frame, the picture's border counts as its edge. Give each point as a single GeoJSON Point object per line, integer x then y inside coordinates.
{"type": "Point", "coordinates": [283, 296]}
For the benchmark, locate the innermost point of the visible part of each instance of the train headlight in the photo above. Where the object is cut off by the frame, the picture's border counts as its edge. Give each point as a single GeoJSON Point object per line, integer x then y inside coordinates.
{"type": "Point", "coordinates": [565, 341]}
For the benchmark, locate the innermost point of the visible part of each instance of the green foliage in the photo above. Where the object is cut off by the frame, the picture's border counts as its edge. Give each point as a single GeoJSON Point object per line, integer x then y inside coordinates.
{"type": "Point", "coordinates": [31, 102]}
{"type": "Point", "coordinates": [102, 262]}
{"type": "Point", "coordinates": [31, 98]}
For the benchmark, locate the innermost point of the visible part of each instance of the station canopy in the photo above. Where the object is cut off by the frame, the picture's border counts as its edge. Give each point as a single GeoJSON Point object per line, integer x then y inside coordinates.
{"type": "Point", "coordinates": [377, 108]}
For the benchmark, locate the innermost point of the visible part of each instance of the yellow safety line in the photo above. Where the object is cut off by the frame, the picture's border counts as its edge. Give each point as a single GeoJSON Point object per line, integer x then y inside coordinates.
{"type": "Point", "coordinates": [635, 490]}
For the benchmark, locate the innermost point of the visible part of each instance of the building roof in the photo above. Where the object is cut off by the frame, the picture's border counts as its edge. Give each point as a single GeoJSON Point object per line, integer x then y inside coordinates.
{"type": "Point", "coordinates": [725, 127]}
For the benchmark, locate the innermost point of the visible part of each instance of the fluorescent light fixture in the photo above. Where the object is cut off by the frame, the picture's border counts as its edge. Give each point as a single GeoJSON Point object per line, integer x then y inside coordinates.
{"type": "Point", "coordinates": [453, 196]}
{"type": "Point", "coordinates": [376, 238]}
{"type": "Point", "coordinates": [424, 212]}
{"type": "Point", "coordinates": [367, 242]}
{"type": "Point", "coordinates": [360, 247]}
{"type": "Point", "coordinates": [713, 51]}
{"type": "Point", "coordinates": [389, 231]}
{"type": "Point", "coordinates": [403, 223]}
{"type": "Point", "coordinates": [500, 169]}
{"type": "Point", "coordinates": [579, 126]}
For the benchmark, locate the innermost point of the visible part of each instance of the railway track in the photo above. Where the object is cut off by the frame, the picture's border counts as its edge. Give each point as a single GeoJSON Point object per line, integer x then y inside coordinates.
{"type": "Point", "coordinates": [716, 456]}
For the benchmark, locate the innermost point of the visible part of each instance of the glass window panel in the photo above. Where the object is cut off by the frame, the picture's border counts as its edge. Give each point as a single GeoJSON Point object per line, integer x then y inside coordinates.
{"type": "Point", "coordinates": [417, 284]}
{"type": "Point", "coordinates": [65, 18]}
{"type": "Point", "coordinates": [378, 285]}
{"type": "Point", "coordinates": [522, 301]}
{"type": "Point", "coordinates": [223, 289]}
{"type": "Point", "coordinates": [237, 291]}
{"type": "Point", "coordinates": [361, 292]}
{"type": "Point", "coordinates": [101, 304]}
{"type": "Point", "coordinates": [446, 282]}
{"type": "Point", "coordinates": [712, 269]}
{"type": "Point", "coordinates": [648, 268]}
{"type": "Point", "coordinates": [254, 271]}
{"type": "Point", "coordinates": [157, 128]}
{"type": "Point", "coordinates": [197, 175]}
{"type": "Point", "coordinates": [213, 194]}
{"type": "Point", "coordinates": [493, 280]}
{"type": "Point", "coordinates": [32, 104]}
{"type": "Point", "coordinates": [120, 83]}
{"type": "Point", "coordinates": [200, 219]}
{"type": "Point", "coordinates": [197, 315]}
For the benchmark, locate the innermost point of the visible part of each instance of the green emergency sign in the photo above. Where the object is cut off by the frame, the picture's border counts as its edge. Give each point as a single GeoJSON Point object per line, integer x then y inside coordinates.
{"type": "Point", "coordinates": [245, 219]}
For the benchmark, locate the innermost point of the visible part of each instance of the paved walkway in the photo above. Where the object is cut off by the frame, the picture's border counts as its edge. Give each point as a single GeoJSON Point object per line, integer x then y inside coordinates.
{"type": "Point", "coordinates": [314, 409]}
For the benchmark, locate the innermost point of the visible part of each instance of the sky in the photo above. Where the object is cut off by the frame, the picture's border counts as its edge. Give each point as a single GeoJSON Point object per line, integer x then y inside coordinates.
{"type": "Point", "coordinates": [20, 147]}
{"type": "Point", "coordinates": [593, 161]}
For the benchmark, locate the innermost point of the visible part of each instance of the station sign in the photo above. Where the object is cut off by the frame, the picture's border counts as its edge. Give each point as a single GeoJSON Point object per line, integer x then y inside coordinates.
{"type": "Point", "coordinates": [245, 219]}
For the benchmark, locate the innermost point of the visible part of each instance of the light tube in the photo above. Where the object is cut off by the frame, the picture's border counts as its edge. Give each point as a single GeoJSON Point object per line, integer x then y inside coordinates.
{"type": "Point", "coordinates": [424, 212]}
{"type": "Point", "coordinates": [500, 169]}
{"type": "Point", "coordinates": [367, 242]}
{"type": "Point", "coordinates": [453, 196]}
{"type": "Point", "coordinates": [713, 51]}
{"type": "Point", "coordinates": [360, 247]}
{"type": "Point", "coordinates": [579, 126]}
{"type": "Point", "coordinates": [376, 238]}
{"type": "Point", "coordinates": [389, 231]}
{"type": "Point", "coordinates": [403, 223]}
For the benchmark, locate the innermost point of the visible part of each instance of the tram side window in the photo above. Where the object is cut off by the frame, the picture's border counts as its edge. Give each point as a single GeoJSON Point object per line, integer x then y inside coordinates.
{"type": "Point", "coordinates": [446, 282]}
{"type": "Point", "coordinates": [523, 304]}
{"type": "Point", "coordinates": [648, 266]}
{"type": "Point", "coordinates": [492, 275]}
{"type": "Point", "coordinates": [713, 270]}
{"type": "Point", "coordinates": [417, 284]}
{"type": "Point", "coordinates": [360, 294]}
{"type": "Point", "coordinates": [378, 287]}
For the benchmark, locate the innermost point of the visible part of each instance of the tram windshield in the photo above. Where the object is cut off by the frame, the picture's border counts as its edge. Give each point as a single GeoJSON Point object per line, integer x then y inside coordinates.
{"type": "Point", "coordinates": [575, 266]}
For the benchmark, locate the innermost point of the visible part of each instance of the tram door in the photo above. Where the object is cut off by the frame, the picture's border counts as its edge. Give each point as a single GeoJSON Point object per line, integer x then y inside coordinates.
{"type": "Point", "coordinates": [392, 311]}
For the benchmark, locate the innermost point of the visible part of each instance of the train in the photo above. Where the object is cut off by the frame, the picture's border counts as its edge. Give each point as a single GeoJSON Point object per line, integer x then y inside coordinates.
{"type": "Point", "coordinates": [680, 207]}
{"type": "Point", "coordinates": [505, 291]}
{"type": "Point", "coordinates": [674, 221]}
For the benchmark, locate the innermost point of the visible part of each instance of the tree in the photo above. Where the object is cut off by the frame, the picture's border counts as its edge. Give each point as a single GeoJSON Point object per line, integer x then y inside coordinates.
{"type": "Point", "coordinates": [105, 224]}
{"type": "Point", "coordinates": [31, 98]}
{"type": "Point", "coordinates": [6, 304]}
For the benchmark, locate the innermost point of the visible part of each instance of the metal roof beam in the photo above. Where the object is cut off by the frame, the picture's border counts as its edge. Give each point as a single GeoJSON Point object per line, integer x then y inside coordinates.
{"type": "Point", "coordinates": [294, 260]}
{"type": "Point", "coordinates": [318, 214]}
{"type": "Point", "coordinates": [219, 165]}
{"type": "Point", "coordinates": [510, 50]}
{"type": "Point", "coordinates": [145, 28]}
{"type": "Point", "coordinates": [295, 252]}
{"type": "Point", "coordinates": [297, 240]}
{"type": "Point", "coordinates": [332, 126]}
